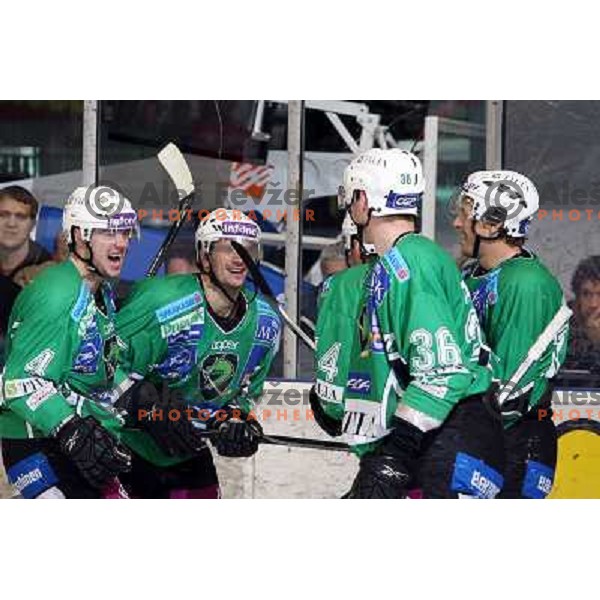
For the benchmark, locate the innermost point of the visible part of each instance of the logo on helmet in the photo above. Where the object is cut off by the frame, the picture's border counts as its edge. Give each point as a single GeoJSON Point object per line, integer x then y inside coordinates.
{"type": "Point", "coordinates": [237, 228]}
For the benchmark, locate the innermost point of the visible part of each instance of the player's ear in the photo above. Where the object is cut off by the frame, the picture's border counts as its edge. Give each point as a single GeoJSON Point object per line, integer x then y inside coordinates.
{"type": "Point", "coordinates": [488, 230]}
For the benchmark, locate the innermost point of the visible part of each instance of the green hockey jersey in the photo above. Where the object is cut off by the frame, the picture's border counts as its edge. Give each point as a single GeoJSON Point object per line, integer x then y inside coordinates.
{"type": "Point", "coordinates": [515, 302]}
{"type": "Point", "coordinates": [169, 335]}
{"type": "Point", "coordinates": [352, 383]}
{"type": "Point", "coordinates": [339, 334]}
{"type": "Point", "coordinates": [61, 355]}
{"type": "Point", "coordinates": [424, 325]}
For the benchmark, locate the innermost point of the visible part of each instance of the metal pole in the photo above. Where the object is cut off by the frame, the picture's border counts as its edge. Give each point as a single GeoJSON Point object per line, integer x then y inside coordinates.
{"type": "Point", "coordinates": [430, 159]}
{"type": "Point", "coordinates": [293, 255]}
{"type": "Point", "coordinates": [90, 142]}
{"type": "Point", "coordinates": [493, 137]}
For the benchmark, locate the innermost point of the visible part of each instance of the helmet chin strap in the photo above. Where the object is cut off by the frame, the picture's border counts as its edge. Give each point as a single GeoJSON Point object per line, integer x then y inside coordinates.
{"type": "Point", "coordinates": [479, 237]}
{"type": "Point", "coordinates": [213, 279]}
{"type": "Point", "coordinates": [89, 262]}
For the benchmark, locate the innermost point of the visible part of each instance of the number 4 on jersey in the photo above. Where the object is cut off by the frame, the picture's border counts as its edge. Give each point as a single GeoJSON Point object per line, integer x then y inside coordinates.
{"type": "Point", "coordinates": [329, 360]}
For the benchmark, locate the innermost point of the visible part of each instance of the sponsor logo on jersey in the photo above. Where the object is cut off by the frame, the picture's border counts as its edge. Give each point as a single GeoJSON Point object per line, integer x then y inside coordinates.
{"type": "Point", "coordinates": [174, 309]}
{"type": "Point", "coordinates": [15, 388]}
{"type": "Point", "coordinates": [182, 323]}
{"type": "Point", "coordinates": [81, 303]}
{"type": "Point", "coordinates": [39, 364]}
{"type": "Point", "coordinates": [40, 396]}
{"type": "Point", "coordinates": [379, 284]}
{"type": "Point", "coordinates": [267, 329]}
{"type": "Point", "coordinates": [224, 345]}
{"type": "Point", "coordinates": [359, 383]}
{"type": "Point", "coordinates": [89, 353]}
{"type": "Point", "coordinates": [399, 201]}
{"type": "Point", "coordinates": [538, 480]}
{"type": "Point", "coordinates": [485, 295]}
{"type": "Point", "coordinates": [216, 374]}
{"type": "Point", "coordinates": [178, 364]}
{"type": "Point", "coordinates": [27, 479]}
{"type": "Point", "coordinates": [398, 264]}
{"type": "Point", "coordinates": [32, 475]}
{"type": "Point", "coordinates": [329, 392]}
{"type": "Point", "coordinates": [362, 421]}
{"type": "Point", "coordinates": [475, 478]}
{"type": "Point", "coordinates": [240, 228]}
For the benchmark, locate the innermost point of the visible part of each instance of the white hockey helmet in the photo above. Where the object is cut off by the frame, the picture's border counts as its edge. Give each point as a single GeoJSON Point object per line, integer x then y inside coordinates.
{"type": "Point", "coordinates": [350, 232]}
{"type": "Point", "coordinates": [91, 207]}
{"type": "Point", "coordinates": [227, 224]}
{"type": "Point", "coordinates": [502, 197]}
{"type": "Point", "coordinates": [392, 180]}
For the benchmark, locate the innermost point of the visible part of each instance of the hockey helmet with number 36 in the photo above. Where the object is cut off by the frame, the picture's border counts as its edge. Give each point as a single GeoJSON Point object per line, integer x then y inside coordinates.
{"type": "Point", "coordinates": [505, 198]}
{"type": "Point", "coordinates": [392, 180]}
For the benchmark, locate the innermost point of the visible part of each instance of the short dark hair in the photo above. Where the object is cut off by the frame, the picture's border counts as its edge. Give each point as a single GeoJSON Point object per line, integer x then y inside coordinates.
{"type": "Point", "coordinates": [587, 270]}
{"type": "Point", "coordinates": [20, 194]}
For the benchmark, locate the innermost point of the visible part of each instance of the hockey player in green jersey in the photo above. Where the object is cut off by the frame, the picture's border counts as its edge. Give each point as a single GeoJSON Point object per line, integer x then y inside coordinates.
{"type": "Point", "coordinates": [210, 341]}
{"type": "Point", "coordinates": [340, 330]}
{"type": "Point", "coordinates": [59, 432]}
{"type": "Point", "coordinates": [516, 297]}
{"type": "Point", "coordinates": [421, 400]}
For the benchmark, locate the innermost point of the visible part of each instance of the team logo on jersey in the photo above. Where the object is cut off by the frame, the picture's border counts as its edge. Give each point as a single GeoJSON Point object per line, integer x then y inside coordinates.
{"type": "Point", "coordinates": [216, 374]}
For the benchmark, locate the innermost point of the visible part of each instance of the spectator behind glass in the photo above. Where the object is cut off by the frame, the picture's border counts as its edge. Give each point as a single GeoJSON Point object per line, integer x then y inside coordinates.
{"type": "Point", "coordinates": [584, 344]}
{"type": "Point", "coordinates": [333, 259]}
{"type": "Point", "coordinates": [181, 258]}
{"type": "Point", "coordinates": [18, 213]}
{"type": "Point", "coordinates": [18, 253]}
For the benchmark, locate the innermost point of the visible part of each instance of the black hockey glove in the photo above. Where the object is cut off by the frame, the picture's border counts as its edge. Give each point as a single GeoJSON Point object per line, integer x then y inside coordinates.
{"type": "Point", "coordinates": [236, 436]}
{"type": "Point", "coordinates": [94, 451]}
{"type": "Point", "coordinates": [163, 415]}
{"type": "Point", "coordinates": [388, 472]}
{"type": "Point", "coordinates": [328, 424]}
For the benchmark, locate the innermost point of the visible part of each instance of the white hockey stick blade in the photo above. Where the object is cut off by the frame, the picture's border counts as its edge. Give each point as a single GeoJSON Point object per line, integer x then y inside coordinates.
{"type": "Point", "coordinates": [535, 352]}
{"type": "Point", "coordinates": [175, 165]}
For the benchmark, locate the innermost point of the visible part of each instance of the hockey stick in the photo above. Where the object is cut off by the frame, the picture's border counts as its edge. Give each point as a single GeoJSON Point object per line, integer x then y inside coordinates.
{"type": "Point", "coordinates": [285, 440]}
{"type": "Point", "coordinates": [178, 170]}
{"type": "Point", "coordinates": [536, 351]}
{"type": "Point", "coordinates": [265, 289]}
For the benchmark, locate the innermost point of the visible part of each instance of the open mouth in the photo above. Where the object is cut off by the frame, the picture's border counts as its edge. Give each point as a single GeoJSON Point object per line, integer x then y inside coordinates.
{"type": "Point", "coordinates": [237, 271]}
{"type": "Point", "coordinates": [115, 260]}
